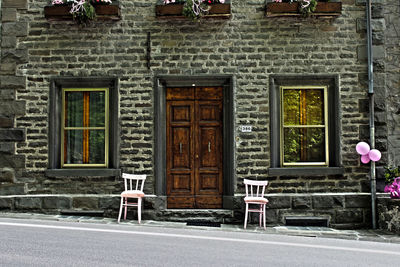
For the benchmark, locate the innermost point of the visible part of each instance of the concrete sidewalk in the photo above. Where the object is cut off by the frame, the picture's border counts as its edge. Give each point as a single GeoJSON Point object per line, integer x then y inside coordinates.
{"type": "Point", "coordinates": [317, 232]}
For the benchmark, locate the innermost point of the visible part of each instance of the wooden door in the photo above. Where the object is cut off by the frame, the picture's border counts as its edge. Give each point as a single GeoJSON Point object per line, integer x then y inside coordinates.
{"type": "Point", "coordinates": [194, 147]}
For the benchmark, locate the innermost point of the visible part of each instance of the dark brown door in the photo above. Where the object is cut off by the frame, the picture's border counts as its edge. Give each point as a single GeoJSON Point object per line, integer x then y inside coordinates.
{"type": "Point", "coordinates": [194, 147]}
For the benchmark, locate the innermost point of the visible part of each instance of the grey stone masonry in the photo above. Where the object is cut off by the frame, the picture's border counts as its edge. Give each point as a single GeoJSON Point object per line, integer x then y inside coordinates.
{"type": "Point", "coordinates": [391, 12]}
{"type": "Point", "coordinates": [345, 210]}
{"type": "Point", "coordinates": [389, 214]}
{"type": "Point", "coordinates": [13, 52]}
{"type": "Point", "coordinates": [248, 47]}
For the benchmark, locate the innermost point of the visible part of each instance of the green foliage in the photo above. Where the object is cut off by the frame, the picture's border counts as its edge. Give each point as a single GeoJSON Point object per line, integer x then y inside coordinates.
{"type": "Point", "coordinates": [306, 11]}
{"type": "Point", "coordinates": [85, 16]}
{"type": "Point", "coordinates": [188, 11]}
{"type": "Point", "coordinates": [391, 173]}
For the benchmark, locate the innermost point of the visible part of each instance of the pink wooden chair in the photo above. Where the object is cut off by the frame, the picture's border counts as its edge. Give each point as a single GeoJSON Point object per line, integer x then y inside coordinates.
{"type": "Point", "coordinates": [255, 196]}
{"type": "Point", "coordinates": [133, 189]}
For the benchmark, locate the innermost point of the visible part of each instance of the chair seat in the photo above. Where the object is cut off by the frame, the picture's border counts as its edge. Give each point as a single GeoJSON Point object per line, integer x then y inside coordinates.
{"type": "Point", "coordinates": [257, 200]}
{"type": "Point", "coordinates": [132, 193]}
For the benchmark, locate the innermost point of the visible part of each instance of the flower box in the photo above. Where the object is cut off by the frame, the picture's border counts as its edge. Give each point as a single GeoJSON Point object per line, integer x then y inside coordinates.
{"type": "Point", "coordinates": [103, 12]}
{"type": "Point", "coordinates": [218, 11]}
{"type": "Point", "coordinates": [323, 9]}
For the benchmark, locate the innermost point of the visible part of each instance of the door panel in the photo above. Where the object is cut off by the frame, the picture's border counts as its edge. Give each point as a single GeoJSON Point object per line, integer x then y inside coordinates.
{"type": "Point", "coordinates": [181, 114]}
{"type": "Point", "coordinates": [194, 147]}
{"type": "Point", "coordinates": [208, 152]}
{"type": "Point", "coordinates": [181, 148]}
{"type": "Point", "coordinates": [208, 181]}
{"type": "Point", "coordinates": [180, 173]}
{"type": "Point", "coordinates": [208, 93]}
{"type": "Point", "coordinates": [181, 183]}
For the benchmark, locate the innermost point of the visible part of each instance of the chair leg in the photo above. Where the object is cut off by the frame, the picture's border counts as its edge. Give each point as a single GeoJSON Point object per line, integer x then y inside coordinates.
{"type": "Point", "coordinates": [265, 228]}
{"type": "Point", "coordinates": [259, 215]}
{"type": "Point", "coordinates": [246, 214]}
{"type": "Point", "coordinates": [126, 207]}
{"type": "Point", "coordinates": [139, 207]}
{"type": "Point", "coordinates": [120, 209]}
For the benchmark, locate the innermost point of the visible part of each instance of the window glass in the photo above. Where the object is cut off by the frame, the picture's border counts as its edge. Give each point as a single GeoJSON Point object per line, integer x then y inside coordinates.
{"type": "Point", "coordinates": [85, 127]}
{"type": "Point", "coordinates": [304, 126]}
{"type": "Point", "coordinates": [73, 109]}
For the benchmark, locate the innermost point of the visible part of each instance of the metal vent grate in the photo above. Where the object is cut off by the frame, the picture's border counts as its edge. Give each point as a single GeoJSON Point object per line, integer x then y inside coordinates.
{"type": "Point", "coordinates": [306, 221]}
{"type": "Point", "coordinates": [203, 223]}
{"type": "Point", "coordinates": [90, 213]}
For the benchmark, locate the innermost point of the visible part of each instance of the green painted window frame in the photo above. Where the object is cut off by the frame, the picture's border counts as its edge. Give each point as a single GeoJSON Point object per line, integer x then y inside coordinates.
{"type": "Point", "coordinates": [335, 166]}
{"type": "Point", "coordinates": [325, 126]}
{"type": "Point", "coordinates": [105, 128]}
{"type": "Point", "coordinates": [54, 168]}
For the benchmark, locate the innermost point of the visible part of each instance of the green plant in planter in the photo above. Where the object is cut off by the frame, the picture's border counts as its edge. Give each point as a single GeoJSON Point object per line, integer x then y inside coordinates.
{"type": "Point", "coordinates": [307, 7]}
{"type": "Point", "coordinates": [82, 10]}
{"type": "Point", "coordinates": [391, 173]}
{"type": "Point", "coordinates": [194, 9]}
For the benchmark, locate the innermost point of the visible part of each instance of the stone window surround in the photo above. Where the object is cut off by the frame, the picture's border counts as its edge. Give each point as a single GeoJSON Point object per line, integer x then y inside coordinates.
{"type": "Point", "coordinates": [332, 81]}
{"type": "Point", "coordinates": [56, 84]}
{"type": "Point", "coordinates": [227, 82]}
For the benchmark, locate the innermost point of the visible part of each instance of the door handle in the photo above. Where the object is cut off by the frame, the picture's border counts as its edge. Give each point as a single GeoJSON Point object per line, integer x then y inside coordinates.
{"type": "Point", "coordinates": [180, 148]}
{"type": "Point", "coordinates": [209, 147]}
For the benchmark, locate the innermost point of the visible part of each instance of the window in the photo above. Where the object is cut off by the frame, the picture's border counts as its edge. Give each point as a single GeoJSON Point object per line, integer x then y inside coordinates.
{"type": "Point", "coordinates": [304, 126]}
{"type": "Point", "coordinates": [84, 135]}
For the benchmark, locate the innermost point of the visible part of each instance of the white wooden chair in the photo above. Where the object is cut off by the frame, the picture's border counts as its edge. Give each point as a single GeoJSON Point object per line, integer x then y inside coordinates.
{"type": "Point", "coordinates": [255, 196]}
{"type": "Point", "coordinates": [133, 189]}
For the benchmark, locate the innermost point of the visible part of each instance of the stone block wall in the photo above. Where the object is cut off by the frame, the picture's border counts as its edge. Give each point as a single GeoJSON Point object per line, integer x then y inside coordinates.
{"type": "Point", "coordinates": [391, 11]}
{"type": "Point", "coordinates": [13, 54]}
{"type": "Point", "coordinates": [342, 210]}
{"type": "Point", "coordinates": [249, 46]}
{"type": "Point", "coordinates": [388, 213]}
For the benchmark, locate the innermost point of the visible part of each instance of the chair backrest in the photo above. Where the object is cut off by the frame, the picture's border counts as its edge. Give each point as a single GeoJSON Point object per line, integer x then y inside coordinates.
{"type": "Point", "coordinates": [134, 181]}
{"type": "Point", "coordinates": [255, 188]}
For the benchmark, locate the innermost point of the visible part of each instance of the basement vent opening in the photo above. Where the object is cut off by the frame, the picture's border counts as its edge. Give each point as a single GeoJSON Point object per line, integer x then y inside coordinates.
{"type": "Point", "coordinates": [203, 223]}
{"type": "Point", "coordinates": [306, 221]}
{"type": "Point", "coordinates": [89, 213]}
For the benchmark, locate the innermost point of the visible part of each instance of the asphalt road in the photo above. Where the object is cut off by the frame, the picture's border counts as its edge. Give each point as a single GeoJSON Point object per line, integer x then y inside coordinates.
{"type": "Point", "coordinates": [52, 243]}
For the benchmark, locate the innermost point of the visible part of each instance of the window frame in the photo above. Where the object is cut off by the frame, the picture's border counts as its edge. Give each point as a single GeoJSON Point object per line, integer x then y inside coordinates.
{"type": "Point", "coordinates": [325, 126]}
{"type": "Point", "coordinates": [106, 127]}
{"type": "Point", "coordinates": [334, 114]}
{"type": "Point", "coordinates": [54, 168]}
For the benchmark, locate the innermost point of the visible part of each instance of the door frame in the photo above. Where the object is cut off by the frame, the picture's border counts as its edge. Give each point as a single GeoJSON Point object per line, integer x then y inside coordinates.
{"type": "Point", "coordinates": [228, 130]}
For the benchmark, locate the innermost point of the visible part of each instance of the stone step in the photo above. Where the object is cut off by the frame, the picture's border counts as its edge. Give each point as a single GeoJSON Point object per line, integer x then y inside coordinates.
{"type": "Point", "coordinates": [196, 215]}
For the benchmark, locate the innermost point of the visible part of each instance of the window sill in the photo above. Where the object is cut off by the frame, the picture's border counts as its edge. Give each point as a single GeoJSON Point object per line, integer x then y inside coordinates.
{"type": "Point", "coordinates": [300, 171]}
{"type": "Point", "coordinates": [59, 173]}
{"type": "Point", "coordinates": [323, 9]}
{"type": "Point", "coordinates": [174, 11]}
{"type": "Point", "coordinates": [109, 12]}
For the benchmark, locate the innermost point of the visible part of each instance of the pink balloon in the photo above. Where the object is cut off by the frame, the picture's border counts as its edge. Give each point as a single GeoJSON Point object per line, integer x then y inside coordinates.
{"type": "Point", "coordinates": [365, 159]}
{"type": "Point", "coordinates": [374, 155]}
{"type": "Point", "coordinates": [362, 148]}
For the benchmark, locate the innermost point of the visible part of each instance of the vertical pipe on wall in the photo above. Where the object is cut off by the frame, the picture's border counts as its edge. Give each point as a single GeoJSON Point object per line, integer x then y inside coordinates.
{"type": "Point", "coordinates": [1, 37]}
{"type": "Point", "coordinates": [371, 111]}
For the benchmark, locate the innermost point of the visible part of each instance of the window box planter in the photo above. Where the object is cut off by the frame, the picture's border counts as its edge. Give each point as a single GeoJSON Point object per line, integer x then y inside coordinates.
{"type": "Point", "coordinates": [217, 11]}
{"type": "Point", "coordinates": [103, 12]}
{"type": "Point", "coordinates": [323, 9]}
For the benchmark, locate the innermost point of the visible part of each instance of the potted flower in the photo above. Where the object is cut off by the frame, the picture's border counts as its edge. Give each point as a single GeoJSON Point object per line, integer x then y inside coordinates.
{"type": "Point", "coordinates": [392, 180]}
{"type": "Point", "coordinates": [193, 9]}
{"type": "Point", "coordinates": [305, 8]}
{"type": "Point", "coordinates": [83, 11]}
